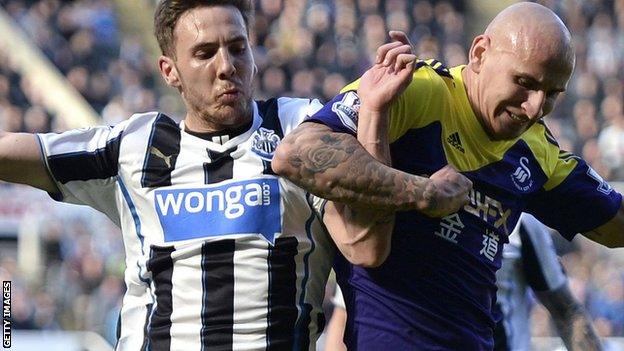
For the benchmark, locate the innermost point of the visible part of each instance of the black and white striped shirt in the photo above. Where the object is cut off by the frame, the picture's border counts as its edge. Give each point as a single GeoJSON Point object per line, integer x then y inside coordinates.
{"type": "Point", "coordinates": [529, 261]}
{"type": "Point", "coordinates": [221, 254]}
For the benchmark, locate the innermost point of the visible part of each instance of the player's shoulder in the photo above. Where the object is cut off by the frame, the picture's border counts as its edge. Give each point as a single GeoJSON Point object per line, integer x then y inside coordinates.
{"type": "Point", "coordinates": [148, 119]}
{"type": "Point", "coordinates": [289, 111]}
{"type": "Point", "coordinates": [426, 73]}
{"type": "Point", "coordinates": [431, 72]}
{"type": "Point", "coordinates": [556, 163]}
{"type": "Point", "coordinates": [141, 127]}
{"type": "Point", "coordinates": [142, 124]}
{"type": "Point", "coordinates": [297, 106]}
{"type": "Point", "coordinates": [431, 81]}
{"type": "Point", "coordinates": [542, 143]}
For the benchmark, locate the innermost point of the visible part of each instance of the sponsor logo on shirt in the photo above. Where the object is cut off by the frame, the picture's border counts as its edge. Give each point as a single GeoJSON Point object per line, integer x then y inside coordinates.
{"type": "Point", "coordinates": [264, 142]}
{"type": "Point", "coordinates": [347, 110]}
{"type": "Point", "coordinates": [521, 178]}
{"type": "Point", "coordinates": [490, 245]}
{"type": "Point", "coordinates": [450, 228]}
{"type": "Point", "coordinates": [239, 207]}
{"type": "Point", "coordinates": [488, 209]}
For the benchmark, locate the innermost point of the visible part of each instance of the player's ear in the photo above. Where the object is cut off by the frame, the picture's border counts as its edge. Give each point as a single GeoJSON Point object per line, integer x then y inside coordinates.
{"type": "Point", "coordinates": [477, 53]}
{"type": "Point", "coordinates": [169, 71]}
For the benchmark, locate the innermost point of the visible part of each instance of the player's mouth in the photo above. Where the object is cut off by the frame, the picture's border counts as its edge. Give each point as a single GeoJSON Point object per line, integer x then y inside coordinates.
{"type": "Point", "coordinates": [229, 96]}
{"type": "Point", "coordinates": [517, 118]}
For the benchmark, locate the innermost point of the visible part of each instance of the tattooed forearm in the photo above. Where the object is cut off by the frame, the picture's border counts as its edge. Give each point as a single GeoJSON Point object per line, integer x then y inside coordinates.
{"type": "Point", "coordinates": [336, 167]}
{"type": "Point", "coordinates": [329, 155]}
{"type": "Point", "coordinates": [577, 333]}
{"type": "Point", "coordinates": [573, 324]}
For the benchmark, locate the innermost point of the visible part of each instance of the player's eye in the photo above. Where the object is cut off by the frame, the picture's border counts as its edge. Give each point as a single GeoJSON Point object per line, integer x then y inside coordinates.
{"type": "Point", "coordinates": [205, 54]}
{"type": "Point", "coordinates": [238, 48]}
{"type": "Point", "coordinates": [524, 82]}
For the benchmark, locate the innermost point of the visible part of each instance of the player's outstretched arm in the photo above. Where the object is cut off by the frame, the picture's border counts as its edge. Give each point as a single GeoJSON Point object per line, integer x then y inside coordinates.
{"type": "Point", "coordinates": [610, 234]}
{"type": "Point", "coordinates": [21, 161]}
{"type": "Point", "coordinates": [571, 320]}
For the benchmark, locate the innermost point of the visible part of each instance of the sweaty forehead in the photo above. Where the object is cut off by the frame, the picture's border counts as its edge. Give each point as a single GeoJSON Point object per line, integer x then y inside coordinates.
{"type": "Point", "coordinates": [532, 32]}
{"type": "Point", "coordinates": [210, 24]}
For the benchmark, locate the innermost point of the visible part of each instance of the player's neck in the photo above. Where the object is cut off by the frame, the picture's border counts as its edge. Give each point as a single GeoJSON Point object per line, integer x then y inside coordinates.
{"type": "Point", "coordinates": [471, 84]}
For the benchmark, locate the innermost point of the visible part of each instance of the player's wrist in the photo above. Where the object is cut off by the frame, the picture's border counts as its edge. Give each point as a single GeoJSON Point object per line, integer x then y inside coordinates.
{"type": "Point", "coordinates": [375, 110]}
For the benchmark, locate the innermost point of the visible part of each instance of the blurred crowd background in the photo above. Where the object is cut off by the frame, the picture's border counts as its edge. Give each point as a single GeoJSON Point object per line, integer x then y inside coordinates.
{"type": "Point", "coordinates": [306, 48]}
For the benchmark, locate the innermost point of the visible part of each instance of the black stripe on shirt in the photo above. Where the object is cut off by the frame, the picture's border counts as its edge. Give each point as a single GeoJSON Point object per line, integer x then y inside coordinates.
{"type": "Point", "coordinates": [217, 313]}
{"type": "Point", "coordinates": [303, 328]}
{"type": "Point", "coordinates": [282, 305]}
{"type": "Point", "coordinates": [220, 168]}
{"type": "Point", "coordinates": [160, 265]}
{"type": "Point", "coordinates": [148, 312]}
{"type": "Point", "coordinates": [86, 165]}
{"type": "Point", "coordinates": [269, 112]}
{"type": "Point", "coordinates": [162, 152]}
{"type": "Point", "coordinates": [531, 264]}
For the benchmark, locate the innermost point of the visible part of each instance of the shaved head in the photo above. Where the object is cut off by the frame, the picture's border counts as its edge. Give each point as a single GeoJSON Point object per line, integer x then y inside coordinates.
{"type": "Point", "coordinates": [527, 29]}
{"type": "Point", "coordinates": [517, 68]}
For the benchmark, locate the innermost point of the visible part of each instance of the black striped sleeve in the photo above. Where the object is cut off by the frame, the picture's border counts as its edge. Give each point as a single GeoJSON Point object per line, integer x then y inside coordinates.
{"type": "Point", "coordinates": [161, 153]}
{"type": "Point", "coordinates": [101, 163]}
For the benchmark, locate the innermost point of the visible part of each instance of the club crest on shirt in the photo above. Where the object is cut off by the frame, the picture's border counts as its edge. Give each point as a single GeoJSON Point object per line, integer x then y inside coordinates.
{"type": "Point", "coordinates": [264, 142]}
{"type": "Point", "coordinates": [521, 178]}
{"type": "Point", "coordinates": [347, 110]}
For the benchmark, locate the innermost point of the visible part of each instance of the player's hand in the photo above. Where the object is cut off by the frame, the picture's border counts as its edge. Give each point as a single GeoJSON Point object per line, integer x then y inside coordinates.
{"type": "Point", "coordinates": [390, 75]}
{"type": "Point", "coordinates": [446, 193]}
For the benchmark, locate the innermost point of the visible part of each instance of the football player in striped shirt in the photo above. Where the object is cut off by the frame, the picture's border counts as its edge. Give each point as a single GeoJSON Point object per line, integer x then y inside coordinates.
{"type": "Point", "coordinates": [221, 254]}
{"type": "Point", "coordinates": [531, 264]}
{"type": "Point", "coordinates": [437, 287]}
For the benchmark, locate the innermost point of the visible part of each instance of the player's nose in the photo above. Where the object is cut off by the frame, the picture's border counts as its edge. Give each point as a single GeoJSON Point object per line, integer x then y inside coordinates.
{"type": "Point", "coordinates": [534, 105]}
{"type": "Point", "coordinates": [225, 64]}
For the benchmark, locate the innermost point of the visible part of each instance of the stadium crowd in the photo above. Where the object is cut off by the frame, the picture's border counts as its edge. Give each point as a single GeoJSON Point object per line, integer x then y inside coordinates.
{"type": "Point", "coordinates": [308, 48]}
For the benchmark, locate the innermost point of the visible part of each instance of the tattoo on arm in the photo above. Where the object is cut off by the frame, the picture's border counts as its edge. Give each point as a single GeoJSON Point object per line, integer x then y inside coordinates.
{"type": "Point", "coordinates": [573, 324]}
{"type": "Point", "coordinates": [329, 154]}
{"type": "Point", "coordinates": [336, 167]}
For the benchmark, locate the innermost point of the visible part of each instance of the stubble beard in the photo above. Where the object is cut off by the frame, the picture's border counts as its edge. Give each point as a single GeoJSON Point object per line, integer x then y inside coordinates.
{"type": "Point", "coordinates": [213, 117]}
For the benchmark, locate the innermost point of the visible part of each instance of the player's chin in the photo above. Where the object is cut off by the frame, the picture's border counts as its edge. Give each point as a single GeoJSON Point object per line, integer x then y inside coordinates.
{"type": "Point", "coordinates": [509, 132]}
{"type": "Point", "coordinates": [238, 110]}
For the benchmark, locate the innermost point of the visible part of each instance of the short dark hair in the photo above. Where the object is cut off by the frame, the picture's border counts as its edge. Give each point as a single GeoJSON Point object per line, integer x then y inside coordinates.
{"type": "Point", "coordinates": [168, 12]}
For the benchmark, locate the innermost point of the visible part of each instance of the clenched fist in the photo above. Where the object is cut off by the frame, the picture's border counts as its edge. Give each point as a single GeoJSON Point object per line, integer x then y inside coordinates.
{"type": "Point", "coordinates": [445, 193]}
